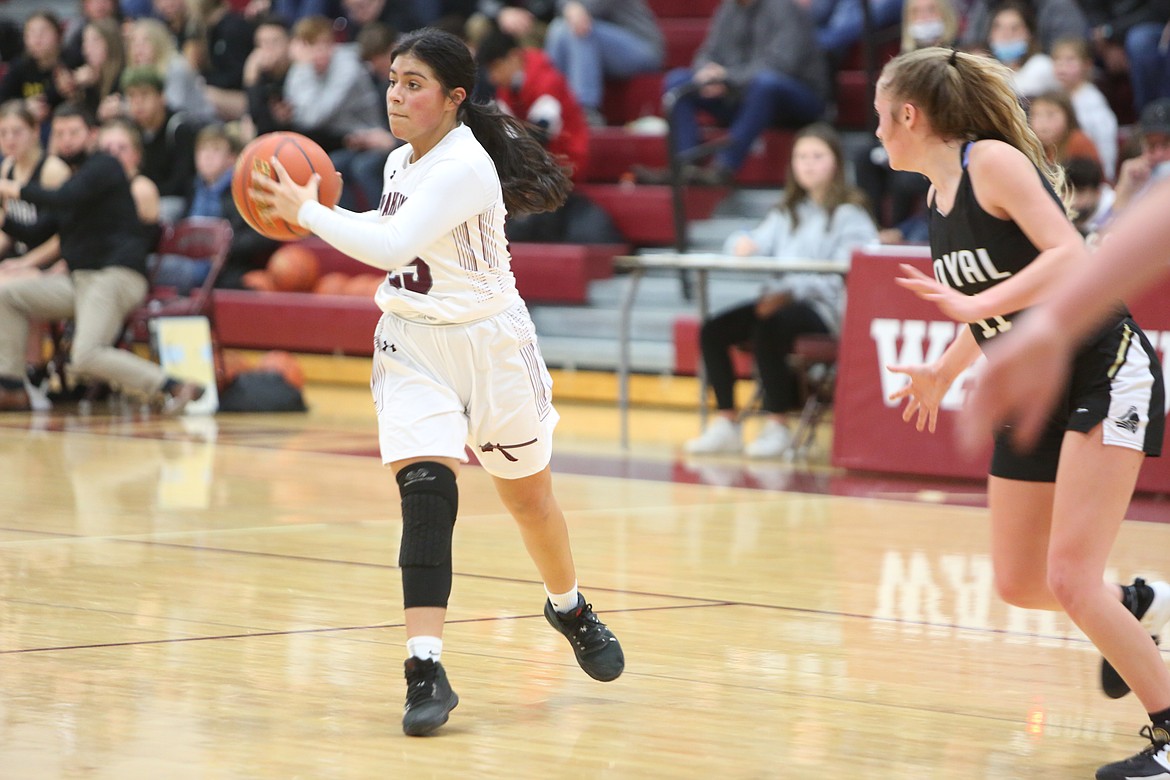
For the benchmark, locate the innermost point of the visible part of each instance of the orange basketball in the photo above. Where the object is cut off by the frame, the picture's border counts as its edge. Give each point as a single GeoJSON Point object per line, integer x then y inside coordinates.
{"type": "Point", "coordinates": [364, 284]}
{"type": "Point", "coordinates": [294, 268]}
{"type": "Point", "coordinates": [301, 157]}
{"type": "Point", "coordinates": [259, 280]}
{"type": "Point", "coordinates": [332, 283]}
{"type": "Point", "coordinates": [234, 364]}
{"type": "Point", "coordinates": [285, 364]}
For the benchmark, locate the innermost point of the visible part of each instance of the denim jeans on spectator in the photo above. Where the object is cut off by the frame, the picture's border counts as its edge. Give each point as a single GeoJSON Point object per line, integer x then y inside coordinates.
{"type": "Point", "coordinates": [608, 50]}
{"type": "Point", "coordinates": [768, 99]}
{"type": "Point", "coordinates": [1149, 66]}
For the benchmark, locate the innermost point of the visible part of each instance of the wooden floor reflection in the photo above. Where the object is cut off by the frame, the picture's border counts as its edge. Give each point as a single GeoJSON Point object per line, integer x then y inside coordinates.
{"type": "Point", "coordinates": [219, 599]}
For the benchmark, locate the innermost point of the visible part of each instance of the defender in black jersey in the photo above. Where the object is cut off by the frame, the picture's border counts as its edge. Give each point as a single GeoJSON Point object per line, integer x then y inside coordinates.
{"type": "Point", "coordinates": [1000, 240]}
{"type": "Point", "coordinates": [1024, 374]}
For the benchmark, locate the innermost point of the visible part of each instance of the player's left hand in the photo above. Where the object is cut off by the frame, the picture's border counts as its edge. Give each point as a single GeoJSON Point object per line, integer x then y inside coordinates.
{"type": "Point", "coordinates": [959, 307]}
{"type": "Point", "coordinates": [283, 195]}
{"type": "Point", "coordinates": [923, 392]}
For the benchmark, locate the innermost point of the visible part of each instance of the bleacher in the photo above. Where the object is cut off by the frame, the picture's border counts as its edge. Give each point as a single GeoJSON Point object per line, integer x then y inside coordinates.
{"type": "Point", "coordinates": [552, 277]}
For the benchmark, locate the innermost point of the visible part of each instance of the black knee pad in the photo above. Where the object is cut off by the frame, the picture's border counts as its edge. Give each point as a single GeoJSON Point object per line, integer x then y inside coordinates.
{"type": "Point", "coordinates": [430, 500]}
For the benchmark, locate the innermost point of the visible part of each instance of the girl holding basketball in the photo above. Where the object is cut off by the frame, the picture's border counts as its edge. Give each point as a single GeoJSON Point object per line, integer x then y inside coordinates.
{"type": "Point", "coordinates": [456, 359]}
{"type": "Point", "coordinates": [1001, 239]}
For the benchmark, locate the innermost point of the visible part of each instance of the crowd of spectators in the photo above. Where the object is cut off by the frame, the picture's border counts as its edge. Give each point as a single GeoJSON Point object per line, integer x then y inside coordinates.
{"type": "Point", "coordinates": [173, 67]}
{"type": "Point", "coordinates": [178, 86]}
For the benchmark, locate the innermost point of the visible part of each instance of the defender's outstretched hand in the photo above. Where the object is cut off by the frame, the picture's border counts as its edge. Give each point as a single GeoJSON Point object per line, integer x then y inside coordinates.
{"type": "Point", "coordinates": [924, 392]}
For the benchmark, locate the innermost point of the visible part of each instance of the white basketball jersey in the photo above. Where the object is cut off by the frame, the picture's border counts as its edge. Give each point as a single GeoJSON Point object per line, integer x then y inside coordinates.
{"type": "Point", "coordinates": [438, 232]}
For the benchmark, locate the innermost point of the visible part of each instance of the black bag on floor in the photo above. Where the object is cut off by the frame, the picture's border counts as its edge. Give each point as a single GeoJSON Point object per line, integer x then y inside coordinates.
{"type": "Point", "coordinates": [261, 391]}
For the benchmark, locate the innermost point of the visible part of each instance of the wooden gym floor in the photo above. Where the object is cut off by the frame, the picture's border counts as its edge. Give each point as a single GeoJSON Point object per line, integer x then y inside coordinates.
{"type": "Point", "coordinates": [218, 598]}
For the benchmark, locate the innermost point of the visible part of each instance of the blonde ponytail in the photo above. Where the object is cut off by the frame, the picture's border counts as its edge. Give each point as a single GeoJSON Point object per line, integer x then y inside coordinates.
{"type": "Point", "coordinates": [968, 98]}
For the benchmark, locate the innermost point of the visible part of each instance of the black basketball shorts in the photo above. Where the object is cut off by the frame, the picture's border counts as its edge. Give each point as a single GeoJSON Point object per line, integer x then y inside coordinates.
{"type": "Point", "coordinates": [1116, 381]}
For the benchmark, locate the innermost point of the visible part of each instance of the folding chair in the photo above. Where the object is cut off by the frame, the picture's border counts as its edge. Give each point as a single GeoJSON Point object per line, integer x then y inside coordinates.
{"type": "Point", "coordinates": [203, 240]}
{"type": "Point", "coordinates": [814, 359]}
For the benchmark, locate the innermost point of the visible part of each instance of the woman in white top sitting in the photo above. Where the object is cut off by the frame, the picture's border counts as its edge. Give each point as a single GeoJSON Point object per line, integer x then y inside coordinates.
{"type": "Point", "coordinates": [819, 218]}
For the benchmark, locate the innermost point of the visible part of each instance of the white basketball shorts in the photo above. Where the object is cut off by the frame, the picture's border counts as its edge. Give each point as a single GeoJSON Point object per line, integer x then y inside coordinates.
{"type": "Point", "coordinates": [439, 388]}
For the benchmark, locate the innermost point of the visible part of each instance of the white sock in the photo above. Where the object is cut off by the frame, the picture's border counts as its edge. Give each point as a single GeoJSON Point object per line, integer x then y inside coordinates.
{"type": "Point", "coordinates": [563, 602]}
{"type": "Point", "coordinates": [425, 647]}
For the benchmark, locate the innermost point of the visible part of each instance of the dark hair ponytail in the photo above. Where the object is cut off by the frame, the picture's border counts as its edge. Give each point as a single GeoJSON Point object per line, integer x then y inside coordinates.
{"type": "Point", "coordinates": [532, 180]}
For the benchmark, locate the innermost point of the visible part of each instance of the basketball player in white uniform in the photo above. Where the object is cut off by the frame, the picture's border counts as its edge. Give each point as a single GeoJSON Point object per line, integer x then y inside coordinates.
{"type": "Point", "coordinates": [455, 360]}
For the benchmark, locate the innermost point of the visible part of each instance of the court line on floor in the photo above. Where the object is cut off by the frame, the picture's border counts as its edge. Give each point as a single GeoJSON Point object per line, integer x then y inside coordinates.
{"type": "Point", "coordinates": [700, 601]}
{"type": "Point", "coordinates": [324, 630]}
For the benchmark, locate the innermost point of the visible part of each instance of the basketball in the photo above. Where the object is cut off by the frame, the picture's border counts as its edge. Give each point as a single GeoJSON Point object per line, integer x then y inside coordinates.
{"type": "Point", "coordinates": [332, 283]}
{"type": "Point", "coordinates": [294, 268]}
{"type": "Point", "coordinates": [285, 364]}
{"type": "Point", "coordinates": [364, 285]}
{"type": "Point", "coordinates": [234, 364]}
{"type": "Point", "coordinates": [301, 157]}
{"type": "Point", "coordinates": [259, 280]}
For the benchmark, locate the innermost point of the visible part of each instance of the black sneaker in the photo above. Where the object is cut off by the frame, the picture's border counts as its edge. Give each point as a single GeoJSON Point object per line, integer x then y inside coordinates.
{"type": "Point", "coordinates": [595, 646]}
{"type": "Point", "coordinates": [429, 698]}
{"type": "Point", "coordinates": [1149, 603]}
{"type": "Point", "coordinates": [1153, 762]}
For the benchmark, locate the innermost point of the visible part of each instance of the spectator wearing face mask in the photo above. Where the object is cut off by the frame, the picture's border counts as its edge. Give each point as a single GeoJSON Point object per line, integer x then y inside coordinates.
{"type": "Point", "coordinates": [1055, 19]}
{"type": "Point", "coordinates": [1012, 40]}
{"type": "Point", "coordinates": [928, 23]}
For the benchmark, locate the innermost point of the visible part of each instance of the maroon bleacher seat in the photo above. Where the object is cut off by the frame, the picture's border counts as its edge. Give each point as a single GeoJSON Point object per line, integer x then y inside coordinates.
{"type": "Point", "coordinates": [683, 38]}
{"type": "Point", "coordinates": [613, 152]}
{"type": "Point", "coordinates": [767, 162]}
{"type": "Point", "coordinates": [296, 322]}
{"type": "Point", "coordinates": [854, 106]}
{"type": "Point", "coordinates": [628, 99]}
{"type": "Point", "coordinates": [642, 212]}
{"type": "Point", "coordinates": [672, 9]}
{"type": "Point", "coordinates": [561, 273]}
{"type": "Point", "coordinates": [344, 324]}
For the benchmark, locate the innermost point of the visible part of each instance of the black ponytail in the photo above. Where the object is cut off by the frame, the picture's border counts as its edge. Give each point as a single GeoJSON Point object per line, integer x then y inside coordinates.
{"type": "Point", "coordinates": [532, 180]}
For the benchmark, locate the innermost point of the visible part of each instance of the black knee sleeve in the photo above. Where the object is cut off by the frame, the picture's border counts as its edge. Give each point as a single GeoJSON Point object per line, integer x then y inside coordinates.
{"type": "Point", "coordinates": [430, 500]}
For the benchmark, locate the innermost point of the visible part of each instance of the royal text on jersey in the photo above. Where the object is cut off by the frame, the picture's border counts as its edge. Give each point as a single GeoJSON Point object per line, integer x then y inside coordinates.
{"type": "Point", "coordinates": [962, 267]}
